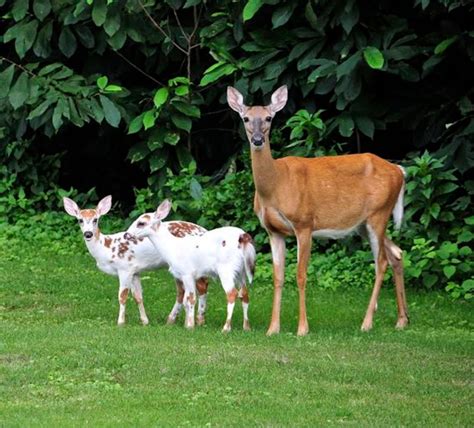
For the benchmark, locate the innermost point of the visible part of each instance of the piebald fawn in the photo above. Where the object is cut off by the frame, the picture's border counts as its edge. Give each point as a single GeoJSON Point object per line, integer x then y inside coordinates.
{"type": "Point", "coordinates": [227, 253]}
{"type": "Point", "coordinates": [125, 256]}
{"type": "Point", "coordinates": [321, 197]}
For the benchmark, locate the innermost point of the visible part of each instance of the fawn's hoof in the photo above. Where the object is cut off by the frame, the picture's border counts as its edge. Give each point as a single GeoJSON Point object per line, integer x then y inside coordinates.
{"type": "Point", "coordinates": [402, 323]}
{"type": "Point", "coordinates": [246, 326]}
{"type": "Point", "coordinates": [200, 320]}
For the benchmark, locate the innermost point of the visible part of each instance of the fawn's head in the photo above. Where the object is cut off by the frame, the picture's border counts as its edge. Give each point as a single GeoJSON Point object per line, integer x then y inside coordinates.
{"type": "Point", "coordinates": [149, 223]}
{"type": "Point", "coordinates": [257, 119]}
{"type": "Point", "coordinates": [89, 218]}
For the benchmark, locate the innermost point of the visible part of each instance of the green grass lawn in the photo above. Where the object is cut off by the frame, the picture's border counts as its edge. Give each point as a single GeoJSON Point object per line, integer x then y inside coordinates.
{"type": "Point", "coordinates": [64, 362]}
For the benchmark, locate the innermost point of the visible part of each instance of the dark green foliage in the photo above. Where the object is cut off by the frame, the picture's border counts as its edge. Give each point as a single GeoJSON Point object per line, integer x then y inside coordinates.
{"type": "Point", "coordinates": [149, 78]}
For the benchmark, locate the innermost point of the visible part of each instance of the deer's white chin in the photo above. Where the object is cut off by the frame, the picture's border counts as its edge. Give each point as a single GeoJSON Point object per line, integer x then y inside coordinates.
{"type": "Point", "coordinates": [257, 148]}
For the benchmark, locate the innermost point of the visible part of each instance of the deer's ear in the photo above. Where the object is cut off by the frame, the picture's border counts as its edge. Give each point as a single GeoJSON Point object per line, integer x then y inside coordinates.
{"type": "Point", "coordinates": [235, 100]}
{"type": "Point", "coordinates": [279, 98]}
{"type": "Point", "coordinates": [103, 207]}
{"type": "Point", "coordinates": [163, 210]}
{"type": "Point", "coordinates": [71, 207]}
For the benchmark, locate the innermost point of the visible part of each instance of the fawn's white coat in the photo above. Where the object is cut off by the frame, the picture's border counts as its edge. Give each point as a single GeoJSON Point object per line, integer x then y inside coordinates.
{"type": "Point", "coordinates": [227, 253]}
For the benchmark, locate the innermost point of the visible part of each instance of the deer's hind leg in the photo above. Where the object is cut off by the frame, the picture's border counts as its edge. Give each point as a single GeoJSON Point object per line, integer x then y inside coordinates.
{"type": "Point", "coordinates": [376, 226]}
{"type": "Point", "coordinates": [394, 256]}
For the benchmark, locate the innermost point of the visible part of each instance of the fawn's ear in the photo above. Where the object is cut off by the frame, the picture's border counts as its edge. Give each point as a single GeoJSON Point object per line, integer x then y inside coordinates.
{"type": "Point", "coordinates": [103, 207]}
{"type": "Point", "coordinates": [279, 98]}
{"type": "Point", "coordinates": [163, 210]}
{"type": "Point", "coordinates": [71, 207]}
{"type": "Point", "coordinates": [235, 100]}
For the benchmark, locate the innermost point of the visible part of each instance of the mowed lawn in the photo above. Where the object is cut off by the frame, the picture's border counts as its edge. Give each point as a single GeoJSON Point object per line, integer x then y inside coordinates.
{"type": "Point", "coordinates": [64, 362]}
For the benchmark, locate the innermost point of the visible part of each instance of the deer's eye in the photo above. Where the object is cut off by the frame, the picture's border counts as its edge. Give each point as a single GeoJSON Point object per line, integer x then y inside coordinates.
{"type": "Point", "coordinates": [81, 221]}
{"type": "Point", "coordinates": [246, 119]}
{"type": "Point", "coordinates": [94, 221]}
{"type": "Point", "coordinates": [140, 224]}
{"type": "Point", "coordinates": [268, 118]}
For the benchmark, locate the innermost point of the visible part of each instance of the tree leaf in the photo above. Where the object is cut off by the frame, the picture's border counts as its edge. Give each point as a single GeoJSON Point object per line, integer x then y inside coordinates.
{"type": "Point", "coordinates": [6, 78]}
{"type": "Point", "coordinates": [136, 124]}
{"type": "Point", "coordinates": [67, 42]}
{"type": "Point", "coordinates": [348, 65]}
{"type": "Point", "coordinates": [181, 122]}
{"type": "Point", "coordinates": [42, 46]}
{"type": "Point", "coordinates": [449, 271]}
{"type": "Point", "coordinates": [187, 108]}
{"type": "Point", "coordinates": [111, 112]}
{"type": "Point", "coordinates": [85, 36]}
{"type": "Point", "coordinates": [251, 8]}
{"type": "Point", "coordinates": [346, 125]}
{"type": "Point", "coordinates": [222, 70]}
{"type": "Point", "coordinates": [20, 91]}
{"type": "Point", "coordinates": [102, 82]}
{"type": "Point", "coordinates": [41, 108]}
{"type": "Point", "coordinates": [373, 57]}
{"type": "Point", "coordinates": [112, 23]}
{"type": "Point", "coordinates": [149, 119]}
{"type": "Point", "coordinates": [350, 18]}
{"type": "Point", "coordinates": [157, 161]}
{"type": "Point", "coordinates": [41, 8]}
{"type": "Point", "coordinates": [113, 88]}
{"type": "Point", "coordinates": [19, 9]}
{"type": "Point", "coordinates": [161, 96]}
{"type": "Point", "coordinates": [365, 125]}
{"type": "Point", "coordinates": [25, 40]}
{"type": "Point", "coordinates": [283, 14]}
{"type": "Point", "coordinates": [445, 44]}
{"type": "Point", "coordinates": [195, 189]}
{"type": "Point", "coordinates": [99, 12]}
{"type": "Point", "coordinates": [311, 16]}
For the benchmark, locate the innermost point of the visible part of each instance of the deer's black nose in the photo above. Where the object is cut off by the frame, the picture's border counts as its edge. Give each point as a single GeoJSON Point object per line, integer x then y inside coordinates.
{"type": "Point", "coordinates": [257, 140]}
{"type": "Point", "coordinates": [88, 235]}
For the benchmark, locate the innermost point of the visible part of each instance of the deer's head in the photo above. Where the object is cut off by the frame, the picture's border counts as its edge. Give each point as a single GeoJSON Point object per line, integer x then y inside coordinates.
{"type": "Point", "coordinates": [257, 119]}
{"type": "Point", "coordinates": [149, 223]}
{"type": "Point", "coordinates": [89, 218]}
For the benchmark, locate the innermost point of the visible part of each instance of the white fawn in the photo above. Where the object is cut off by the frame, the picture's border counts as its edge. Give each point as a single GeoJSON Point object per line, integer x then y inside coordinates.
{"type": "Point", "coordinates": [327, 197]}
{"type": "Point", "coordinates": [125, 256]}
{"type": "Point", "coordinates": [227, 253]}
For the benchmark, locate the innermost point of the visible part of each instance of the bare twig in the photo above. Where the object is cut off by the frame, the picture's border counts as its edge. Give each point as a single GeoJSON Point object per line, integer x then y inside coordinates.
{"type": "Point", "coordinates": [138, 68]}
{"type": "Point", "coordinates": [158, 26]}
{"type": "Point", "coordinates": [185, 35]}
{"type": "Point", "coordinates": [18, 66]}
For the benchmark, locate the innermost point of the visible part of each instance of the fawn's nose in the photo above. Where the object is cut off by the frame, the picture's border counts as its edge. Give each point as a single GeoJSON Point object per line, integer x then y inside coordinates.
{"type": "Point", "coordinates": [88, 235]}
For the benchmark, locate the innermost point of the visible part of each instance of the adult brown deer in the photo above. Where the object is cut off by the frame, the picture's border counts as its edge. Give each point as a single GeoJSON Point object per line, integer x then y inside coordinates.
{"type": "Point", "coordinates": [327, 197]}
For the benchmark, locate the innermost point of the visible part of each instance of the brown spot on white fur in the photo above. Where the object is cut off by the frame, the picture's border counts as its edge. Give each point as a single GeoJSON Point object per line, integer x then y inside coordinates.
{"type": "Point", "coordinates": [180, 229]}
{"type": "Point", "coordinates": [123, 296]}
{"type": "Point", "coordinates": [88, 214]}
{"type": "Point", "coordinates": [107, 242]}
{"type": "Point", "coordinates": [122, 249]}
{"type": "Point", "coordinates": [245, 238]}
{"type": "Point", "coordinates": [191, 299]}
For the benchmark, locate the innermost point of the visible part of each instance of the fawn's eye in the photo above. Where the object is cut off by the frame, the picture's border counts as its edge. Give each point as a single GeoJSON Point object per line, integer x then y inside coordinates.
{"type": "Point", "coordinates": [81, 221]}
{"type": "Point", "coordinates": [268, 118]}
{"type": "Point", "coordinates": [140, 224]}
{"type": "Point", "coordinates": [246, 119]}
{"type": "Point", "coordinates": [94, 221]}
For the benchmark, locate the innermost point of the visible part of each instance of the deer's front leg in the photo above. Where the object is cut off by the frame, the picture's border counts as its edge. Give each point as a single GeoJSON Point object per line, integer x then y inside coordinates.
{"type": "Point", "coordinates": [178, 304]}
{"type": "Point", "coordinates": [189, 301]}
{"type": "Point", "coordinates": [277, 243]}
{"type": "Point", "coordinates": [122, 296]}
{"type": "Point", "coordinates": [138, 296]}
{"type": "Point", "coordinates": [304, 240]}
{"type": "Point", "coordinates": [201, 285]}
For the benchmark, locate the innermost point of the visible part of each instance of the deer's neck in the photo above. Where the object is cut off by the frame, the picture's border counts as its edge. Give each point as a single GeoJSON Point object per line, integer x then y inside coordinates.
{"type": "Point", "coordinates": [264, 170]}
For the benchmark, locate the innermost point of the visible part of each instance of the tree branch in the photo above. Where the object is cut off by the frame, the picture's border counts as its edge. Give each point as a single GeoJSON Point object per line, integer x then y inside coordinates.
{"type": "Point", "coordinates": [138, 68]}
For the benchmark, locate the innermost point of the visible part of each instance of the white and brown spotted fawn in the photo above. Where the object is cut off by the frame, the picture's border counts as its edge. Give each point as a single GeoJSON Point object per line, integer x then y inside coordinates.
{"type": "Point", "coordinates": [227, 253]}
{"type": "Point", "coordinates": [125, 256]}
